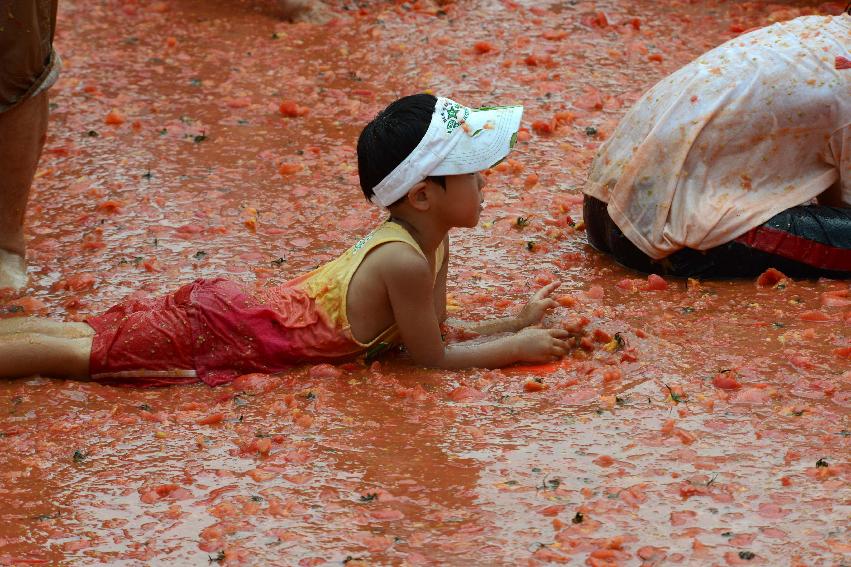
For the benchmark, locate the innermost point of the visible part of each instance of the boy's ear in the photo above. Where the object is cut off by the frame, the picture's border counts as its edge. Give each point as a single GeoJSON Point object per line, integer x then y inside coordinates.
{"type": "Point", "coordinates": [418, 197]}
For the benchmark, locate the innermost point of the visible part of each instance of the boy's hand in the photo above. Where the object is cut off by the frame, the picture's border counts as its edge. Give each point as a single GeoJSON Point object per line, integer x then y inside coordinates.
{"type": "Point", "coordinates": [541, 345]}
{"type": "Point", "coordinates": [540, 303]}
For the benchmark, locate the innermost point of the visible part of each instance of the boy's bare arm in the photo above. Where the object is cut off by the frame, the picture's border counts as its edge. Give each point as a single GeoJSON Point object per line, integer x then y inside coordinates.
{"type": "Point", "coordinates": [531, 314]}
{"type": "Point", "coordinates": [410, 287]}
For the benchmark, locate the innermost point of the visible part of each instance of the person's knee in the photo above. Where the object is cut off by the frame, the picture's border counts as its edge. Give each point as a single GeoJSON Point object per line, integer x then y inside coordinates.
{"type": "Point", "coordinates": [79, 354]}
{"type": "Point", "coordinates": [70, 357]}
{"type": "Point", "coordinates": [594, 215]}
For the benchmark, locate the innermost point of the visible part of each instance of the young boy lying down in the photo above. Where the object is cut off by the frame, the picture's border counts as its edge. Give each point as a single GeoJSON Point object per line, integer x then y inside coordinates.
{"type": "Point", "coordinates": [420, 159]}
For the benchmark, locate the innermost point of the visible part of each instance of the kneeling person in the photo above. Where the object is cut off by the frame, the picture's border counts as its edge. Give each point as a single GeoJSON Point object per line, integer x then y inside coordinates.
{"type": "Point", "coordinates": [714, 170]}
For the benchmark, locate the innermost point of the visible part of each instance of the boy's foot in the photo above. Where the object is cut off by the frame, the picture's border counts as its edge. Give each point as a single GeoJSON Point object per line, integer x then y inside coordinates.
{"type": "Point", "coordinates": [13, 271]}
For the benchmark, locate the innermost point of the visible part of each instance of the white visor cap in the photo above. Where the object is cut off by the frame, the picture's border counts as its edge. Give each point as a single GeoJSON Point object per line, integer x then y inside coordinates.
{"type": "Point", "coordinates": [487, 135]}
{"type": "Point", "coordinates": [459, 140]}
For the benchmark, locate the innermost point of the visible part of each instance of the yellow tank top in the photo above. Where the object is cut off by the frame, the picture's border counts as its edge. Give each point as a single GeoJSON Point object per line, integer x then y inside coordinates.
{"type": "Point", "coordinates": [328, 285]}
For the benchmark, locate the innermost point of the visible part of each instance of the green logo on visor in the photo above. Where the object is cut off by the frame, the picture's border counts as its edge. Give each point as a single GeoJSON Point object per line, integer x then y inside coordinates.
{"type": "Point", "coordinates": [449, 115]}
{"type": "Point", "coordinates": [513, 140]}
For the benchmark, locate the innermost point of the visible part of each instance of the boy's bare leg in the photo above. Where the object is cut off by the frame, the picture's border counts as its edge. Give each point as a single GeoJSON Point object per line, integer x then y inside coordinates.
{"type": "Point", "coordinates": [38, 325]}
{"type": "Point", "coordinates": [22, 135]}
{"type": "Point", "coordinates": [28, 354]}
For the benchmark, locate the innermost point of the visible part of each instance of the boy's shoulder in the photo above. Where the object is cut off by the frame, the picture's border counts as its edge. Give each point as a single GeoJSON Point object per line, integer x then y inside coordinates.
{"type": "Point", "coordinates": [390, 253]}
{"type": "Point", "coordinates": [399, 258]}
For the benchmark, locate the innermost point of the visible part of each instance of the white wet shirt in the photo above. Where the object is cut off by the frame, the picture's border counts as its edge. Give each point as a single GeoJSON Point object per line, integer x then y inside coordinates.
{"type": "Point", "coordinates": [755, 126]}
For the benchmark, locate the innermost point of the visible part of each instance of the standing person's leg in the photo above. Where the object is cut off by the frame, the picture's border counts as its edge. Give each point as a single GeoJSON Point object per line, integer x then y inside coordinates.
{"type": "Point", "coordinates": [28, 67]}
{"type": "Point", "coordinates": [22, 135]}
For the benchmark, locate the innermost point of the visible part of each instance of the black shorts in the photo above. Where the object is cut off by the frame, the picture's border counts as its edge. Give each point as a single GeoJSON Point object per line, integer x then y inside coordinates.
{"type": "Point", "coordinates": [28, 64]}
{"type": "Point", "coordinates": [804, 241]}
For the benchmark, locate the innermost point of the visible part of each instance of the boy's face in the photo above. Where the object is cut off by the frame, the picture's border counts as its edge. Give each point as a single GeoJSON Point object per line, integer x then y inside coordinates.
{"type": "Point", "coordinates": [461, 204]}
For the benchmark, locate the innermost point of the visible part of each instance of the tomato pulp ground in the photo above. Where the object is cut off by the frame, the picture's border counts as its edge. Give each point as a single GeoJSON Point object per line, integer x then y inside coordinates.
{"type": "Point", "coordinates": [699, 422]}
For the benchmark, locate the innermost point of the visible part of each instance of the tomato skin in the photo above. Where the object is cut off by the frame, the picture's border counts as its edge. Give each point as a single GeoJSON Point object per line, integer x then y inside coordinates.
{"type": "Point", "coordinates": [553, 510]}
{"type": "Point", "coordinates": [239, 102]}
{"type": "Point", "coordinates": [466, 394]}
{"type": "Point", "coordinates": [550, 556]}
{"type": "Point", "coordinates": [114, 118]}
{"type": "Point", "coordinates": [656, 283]}
{"type": "Point", "coordinates": [290, 168]}
{"type": "Point", "coordinates": [836, 298]}
{"type": "Point", "coordinates": [23, 307]}
{"type": "Point", "coordinates": [483, 47]}
{"type": "Point", "coordinates": [611, 374]}
{"type": "Point", "coordinates": [596, 292]}
{"type": "Point", "coordinates": [542, 127]}
{"type": "Point", "coordinates": [726, 380]}
{"type": "Point", "coordinates": [212, 419]}
{"type": "Point", "coordinates": [602, 336]}
{"type": "Point", "coordinates": [770, 278]}
{"type": "Point", "coordinates": [530, 181]}
{"type": "Point", "coordinates": [292, 110]}
{"type": "Point", "coordinates": [604, 461]}
{"type": "Point", "coordinates": [629, 284]}
{"type": "Point", "coordinates": [304, 420]}
{"type": "Point", "coordinates": [544, 278]}
{"type": "Point", "coordinates": [325, 371]}
{"type": "Point", "coordinates": [551, 35]}
{"type": "Point", "coordinates": [534, 386]}
{"type": "Point", "coordinates": [263, 445]}
{"type": "Point", "coordinates": [814, 316]}
{"type": "Point", "coordinates": [256, 383]}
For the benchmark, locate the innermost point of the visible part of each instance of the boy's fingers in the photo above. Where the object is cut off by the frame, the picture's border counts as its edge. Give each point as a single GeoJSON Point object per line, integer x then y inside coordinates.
{"type": "Point", "coordinates": [559, 333]}
{"type": "Point", "coordinates": [546, 290]}
{"type": "Point", "coordinates": [552, 304]}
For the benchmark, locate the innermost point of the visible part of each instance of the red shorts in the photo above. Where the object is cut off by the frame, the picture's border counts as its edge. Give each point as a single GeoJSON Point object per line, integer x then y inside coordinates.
{"type": "Point", "coordinates": [211, 330]}
{"type": "Point", "coordinates": [144, 342]}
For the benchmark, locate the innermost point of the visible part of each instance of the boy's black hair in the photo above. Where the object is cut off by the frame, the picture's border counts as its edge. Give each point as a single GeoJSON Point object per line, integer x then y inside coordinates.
{"type": "Point", "coordinates": [391, 136]}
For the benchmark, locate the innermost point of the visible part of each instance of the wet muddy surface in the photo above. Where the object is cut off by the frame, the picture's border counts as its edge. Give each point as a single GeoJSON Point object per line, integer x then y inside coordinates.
{"type": "Point", "coordinates": [704, 423]}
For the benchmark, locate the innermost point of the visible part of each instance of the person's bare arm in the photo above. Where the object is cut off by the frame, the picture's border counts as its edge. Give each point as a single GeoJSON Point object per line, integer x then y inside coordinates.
{"type": "Point", "coordinates": [410, 288]}
{"type": "Point", "coordinates": [531, 314]}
